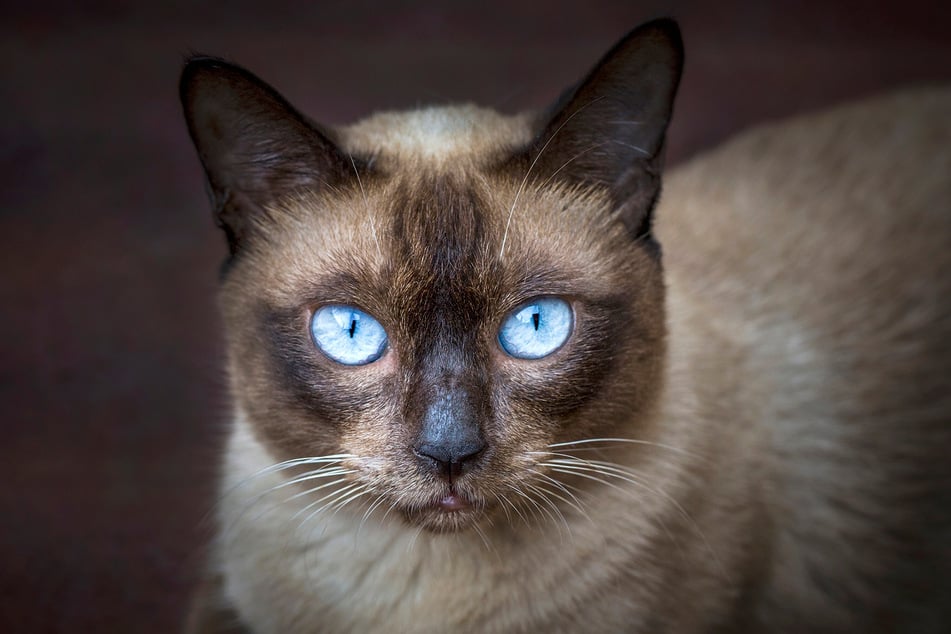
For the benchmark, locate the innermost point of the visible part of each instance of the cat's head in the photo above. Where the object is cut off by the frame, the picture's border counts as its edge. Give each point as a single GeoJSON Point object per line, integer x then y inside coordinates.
{"type": "Point", "coordinates": [433, 298]}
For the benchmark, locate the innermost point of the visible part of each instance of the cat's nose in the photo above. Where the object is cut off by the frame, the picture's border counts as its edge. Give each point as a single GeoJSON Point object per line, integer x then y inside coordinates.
{"type": "Point", "coordinates": [450, 440]}
{"type": "Point", "coordinates": [450, 461]}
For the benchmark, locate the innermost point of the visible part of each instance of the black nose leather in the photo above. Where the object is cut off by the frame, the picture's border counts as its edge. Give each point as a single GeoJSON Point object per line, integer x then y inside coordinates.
{"type": "Point", "coordinates": [450, 461]}
{"type": "Point", "coordinates": [450, 439]}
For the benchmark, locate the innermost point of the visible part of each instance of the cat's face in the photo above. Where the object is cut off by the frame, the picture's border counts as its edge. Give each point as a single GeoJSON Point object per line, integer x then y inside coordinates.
{"type": "Point", "coordinates": [431, 300]}
{"type": "Point", "coordinates": [420, 255]}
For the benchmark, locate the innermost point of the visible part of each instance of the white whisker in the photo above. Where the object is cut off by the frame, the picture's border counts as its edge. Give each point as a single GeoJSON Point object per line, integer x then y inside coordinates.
{"type": "Point", "coordinates": [311, 475]}
{"type": "Point", "coordinates": [573, 500]}
{"type": "Point", "coordinates": [639, 150]}
{"type": "Point", "coordinates": [535, 509]}
{"type": "Point", "coordinates": [543, 494]}
{"type": "Point", "coordinates": [389, 510]}
{"type": "Point", "coordinates": [412, 542]}
{"type": "Point", "coordinates": [287, 464]}
{"type": "Point", "coordinates": [569, 161]}
{"type": "Point", "coordinates": [366, 203]}
{"type": "Point", "coordinates": [571, 465]}
{"type": "Point", "coordinates": [482, 536]}
{"type": "Point", "coordinates": [349, 499]}
{"type": "Point", "coordinates": [541, 508]}
{"type": "Point", "coordinates": [504, 499]}
{"type": "Point", "coordinates": [380, 500]}
{"type": "Point", "coordinates": [315, 489]}
{"type": "Point", "coordinates": [521, 187]}
{"type": "Point", "coordinates": [329, 470]}
{"type": "Point", "coordinates": [333, 495]}
{"type": "Point", "coordinates": [633, 441]}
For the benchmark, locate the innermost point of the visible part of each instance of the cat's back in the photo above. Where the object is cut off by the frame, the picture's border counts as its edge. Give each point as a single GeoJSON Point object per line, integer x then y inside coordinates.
{"type": "Point", "coordinates": [820, 249]}
{"type": "Point", "coordinates": [824, 236]}
{"type": "Point", "coordinates": [832, 228]}
{"type": "Point", "coordinates": [861, 190]}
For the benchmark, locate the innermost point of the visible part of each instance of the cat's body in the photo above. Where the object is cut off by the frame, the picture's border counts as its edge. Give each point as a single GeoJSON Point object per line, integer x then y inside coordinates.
{"type": "Point", "coordinates": [833, 326]}
{"type": "Point", "coordinates": [789, 399]}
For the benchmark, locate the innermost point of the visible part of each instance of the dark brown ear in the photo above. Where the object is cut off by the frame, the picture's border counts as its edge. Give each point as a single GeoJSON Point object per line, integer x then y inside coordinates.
{"type": "Point", "coordinates": [255, 147]}
{"type": "Point", "coordinates": [609, 129]}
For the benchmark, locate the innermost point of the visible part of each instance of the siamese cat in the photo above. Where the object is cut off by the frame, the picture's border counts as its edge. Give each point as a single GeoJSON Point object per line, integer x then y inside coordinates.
{"type": "Point", "coordinates": [485, 380]}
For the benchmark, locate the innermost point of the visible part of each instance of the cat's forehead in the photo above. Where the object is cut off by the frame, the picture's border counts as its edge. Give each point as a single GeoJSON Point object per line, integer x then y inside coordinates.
{"type": "Point", "coordinates": [435, 137]}
{"type": "Point", "coordinates": [438, 206]}
{"type": "Point", "coordinates": [443, 228]}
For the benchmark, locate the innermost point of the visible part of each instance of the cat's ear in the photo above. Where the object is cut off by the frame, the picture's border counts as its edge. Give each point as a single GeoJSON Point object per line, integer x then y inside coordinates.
{"type": "Point", "coordinates": [255, 147]}
{"type": "Point", "coordinates": [609, 129]}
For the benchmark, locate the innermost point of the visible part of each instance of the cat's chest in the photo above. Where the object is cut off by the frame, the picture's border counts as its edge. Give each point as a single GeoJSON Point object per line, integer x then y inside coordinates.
{"type": "Point", "coordinates": [333, 580]}
{"type": "Point", "coordinates": [289, 573]}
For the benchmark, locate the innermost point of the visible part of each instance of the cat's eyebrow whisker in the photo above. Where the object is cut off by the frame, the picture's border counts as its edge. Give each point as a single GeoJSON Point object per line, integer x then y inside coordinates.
{"type": "Point", "coordinates": [569, 161]}
{"type": "Point", "coordinates": [521, 186]}
{"type": "Point", "coordinates": [366, 204]}
{"type": "Point", "coordinates": [639, 150]}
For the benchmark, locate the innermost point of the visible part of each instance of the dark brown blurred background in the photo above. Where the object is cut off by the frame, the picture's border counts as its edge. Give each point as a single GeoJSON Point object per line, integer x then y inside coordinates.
{"type": "Point", "coordinates": [111, 399]}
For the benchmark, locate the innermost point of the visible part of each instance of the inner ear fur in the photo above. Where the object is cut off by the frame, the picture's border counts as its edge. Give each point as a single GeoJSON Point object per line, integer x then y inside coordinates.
{"type": "Point", "coordinates": [255, 147]}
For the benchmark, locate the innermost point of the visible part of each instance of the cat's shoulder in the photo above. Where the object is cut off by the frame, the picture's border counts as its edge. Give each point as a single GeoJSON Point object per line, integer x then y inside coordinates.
{"type": "Point", "coordinates": [874, 148]}
{"type": "Point", "coordinates": [818, 203]}
{"type": "Point", "coordinates": [830, 230]}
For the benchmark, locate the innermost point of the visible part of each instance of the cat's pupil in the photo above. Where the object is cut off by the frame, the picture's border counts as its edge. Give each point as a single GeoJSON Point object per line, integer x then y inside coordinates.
{"type": "Point", "coordinates": [353, 327]}
{"type": "Point", "coordinates": [535, 320]}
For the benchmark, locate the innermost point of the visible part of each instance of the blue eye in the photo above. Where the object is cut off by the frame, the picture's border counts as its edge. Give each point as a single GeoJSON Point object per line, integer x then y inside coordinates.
{"type": "Point", "coordinates": [348, 335]}
{"type": "Point", "coordinates": [536, 329]}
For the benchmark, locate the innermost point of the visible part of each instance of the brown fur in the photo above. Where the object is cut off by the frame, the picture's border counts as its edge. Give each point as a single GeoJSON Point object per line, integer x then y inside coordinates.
{"type": "Point", "coordinates": [784, 371]}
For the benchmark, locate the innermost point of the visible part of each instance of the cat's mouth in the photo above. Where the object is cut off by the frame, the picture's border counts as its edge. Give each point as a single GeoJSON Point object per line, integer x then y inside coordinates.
{"type": "Point", "coordinates": [448, 511]}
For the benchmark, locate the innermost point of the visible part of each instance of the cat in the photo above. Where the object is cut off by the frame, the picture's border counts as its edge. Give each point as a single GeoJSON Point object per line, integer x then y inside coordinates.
{"type": "Point", "coordinates": [486, 380]}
